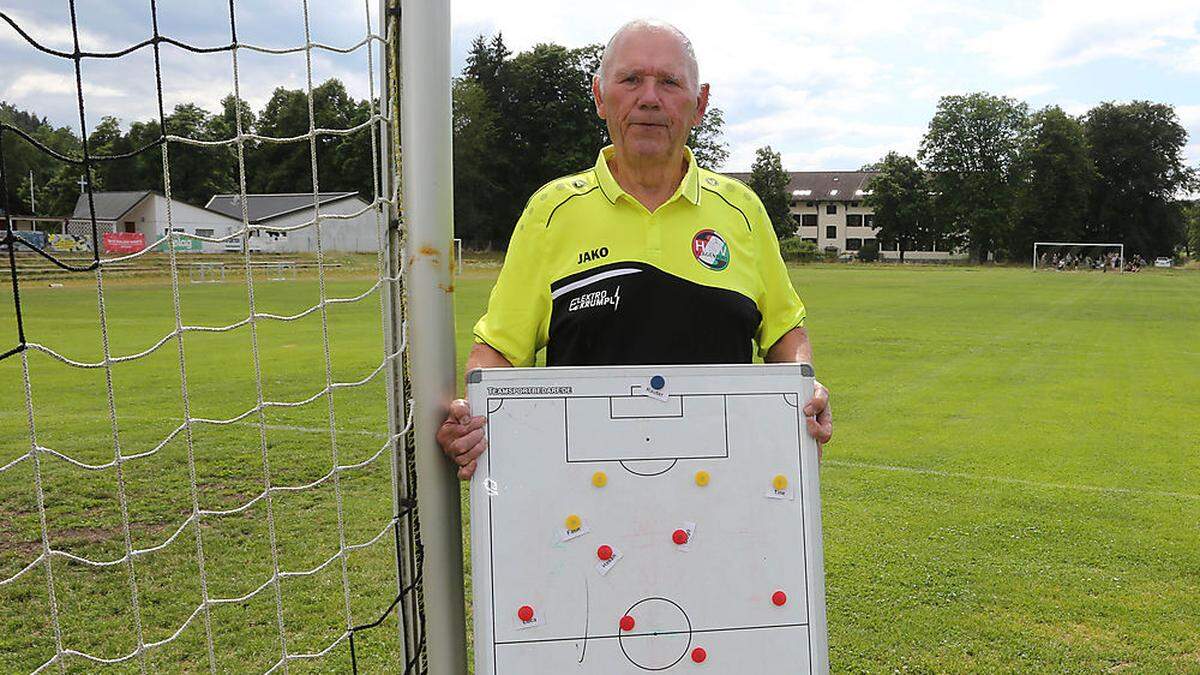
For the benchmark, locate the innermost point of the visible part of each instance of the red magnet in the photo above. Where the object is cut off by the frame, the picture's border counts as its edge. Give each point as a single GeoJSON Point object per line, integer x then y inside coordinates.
{"type": "Point", "coordinates": [698, 655]}
{"type": "Point", "coordinates": [525, 614]}
{"type": "Point", "coordinates": [604, 552]}
{"type": "Point", "coordinates": [680, 537]}
{"type": "Point", "coordinates": [627, 623]}
{"type": "Point", "coordinates": [779, 598]}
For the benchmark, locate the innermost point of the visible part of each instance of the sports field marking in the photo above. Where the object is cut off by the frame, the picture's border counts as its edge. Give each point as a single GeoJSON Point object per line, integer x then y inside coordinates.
{"type": "Point", "coordinates": [850, 464]}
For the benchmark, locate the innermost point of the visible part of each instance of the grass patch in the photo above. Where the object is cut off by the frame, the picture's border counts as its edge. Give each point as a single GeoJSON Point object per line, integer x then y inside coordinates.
{"type": "Point", "coordinates": [1014, 483]}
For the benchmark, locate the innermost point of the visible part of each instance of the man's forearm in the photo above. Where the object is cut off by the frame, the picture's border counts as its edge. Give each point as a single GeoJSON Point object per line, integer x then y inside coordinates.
{"type": "Point", "coordinates": [483, 356]}
{"type": "Point", "coordinates": [793, 347]}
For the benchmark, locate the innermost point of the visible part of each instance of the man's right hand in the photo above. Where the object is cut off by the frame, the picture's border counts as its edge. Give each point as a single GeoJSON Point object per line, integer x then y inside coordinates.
{"type": "Point", "coordinates": [462, 438]}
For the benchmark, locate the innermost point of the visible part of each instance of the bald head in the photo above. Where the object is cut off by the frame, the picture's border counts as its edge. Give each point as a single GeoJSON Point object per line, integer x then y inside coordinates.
{"type": "Point", "coordinates": [641, 26]}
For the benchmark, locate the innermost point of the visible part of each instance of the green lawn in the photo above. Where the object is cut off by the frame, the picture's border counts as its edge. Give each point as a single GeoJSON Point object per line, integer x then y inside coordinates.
{"type": "Point", "coordinates": [1014, 483]}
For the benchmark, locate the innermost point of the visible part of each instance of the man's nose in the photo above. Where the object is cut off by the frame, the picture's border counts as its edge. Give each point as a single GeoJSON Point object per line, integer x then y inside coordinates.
{"type": "Point", "coordinates": [647, 94]}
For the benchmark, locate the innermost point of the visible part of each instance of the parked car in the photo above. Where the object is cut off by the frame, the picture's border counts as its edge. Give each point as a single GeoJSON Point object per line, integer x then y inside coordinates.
{"type": "Point", "coordinates": [1162, 262]}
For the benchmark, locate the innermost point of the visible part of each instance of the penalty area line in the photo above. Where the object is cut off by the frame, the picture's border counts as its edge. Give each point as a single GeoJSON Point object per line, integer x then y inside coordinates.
{"type": "Point", "coordinates": [850, 464]}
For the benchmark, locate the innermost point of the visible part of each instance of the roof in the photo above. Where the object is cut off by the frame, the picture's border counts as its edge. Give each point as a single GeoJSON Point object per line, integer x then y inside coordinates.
{"type": "Point", "coordinates": [109, 205]}
{"type": "Point", "coordinates": [265, 207]}
{"type": "Point", "coordinates": [824, 186]}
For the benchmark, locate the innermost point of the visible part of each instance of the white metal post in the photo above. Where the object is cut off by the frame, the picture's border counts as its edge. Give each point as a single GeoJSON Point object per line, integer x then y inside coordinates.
{"type": "Point", "coordinates": [429, 214]}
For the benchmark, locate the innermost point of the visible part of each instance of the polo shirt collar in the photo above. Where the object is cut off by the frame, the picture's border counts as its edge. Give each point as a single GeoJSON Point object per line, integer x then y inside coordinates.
{"type": "Point", "coordinates": [689, 187]}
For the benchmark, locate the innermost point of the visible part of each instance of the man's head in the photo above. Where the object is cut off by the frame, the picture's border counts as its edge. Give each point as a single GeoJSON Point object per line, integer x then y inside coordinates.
{"type": "Point", "coordinates": [648, 90]}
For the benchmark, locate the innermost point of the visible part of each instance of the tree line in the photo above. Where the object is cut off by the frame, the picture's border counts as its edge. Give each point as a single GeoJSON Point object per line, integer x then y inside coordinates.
{"type": "Point", "coordinates": [344, 163]}
{"type": "Point", "coordinates": [992, 178]}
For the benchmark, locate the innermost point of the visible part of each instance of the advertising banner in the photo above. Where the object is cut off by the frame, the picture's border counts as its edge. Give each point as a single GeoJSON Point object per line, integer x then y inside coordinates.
{"type": "Point", "coordinates": [124, 242]}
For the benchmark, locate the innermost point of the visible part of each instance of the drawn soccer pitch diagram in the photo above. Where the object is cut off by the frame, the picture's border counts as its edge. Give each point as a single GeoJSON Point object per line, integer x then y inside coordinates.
{"type": "Point", "coordinates": [647, 519]}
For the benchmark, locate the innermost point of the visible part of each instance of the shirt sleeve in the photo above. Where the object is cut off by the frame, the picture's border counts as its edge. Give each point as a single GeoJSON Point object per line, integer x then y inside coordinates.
{"type": "Point", "coordinates": [779, 305]}
{"type": "Point", "coordinates": [517, 320]}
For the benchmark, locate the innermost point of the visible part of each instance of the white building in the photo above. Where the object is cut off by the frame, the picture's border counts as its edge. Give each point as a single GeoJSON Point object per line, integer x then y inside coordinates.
{"type": "Point", "coordinates": [357, 234]}
{"type": "Point", "coordinates": [145, 212]}
{"type": "Point", "coordinates": [830, 212]}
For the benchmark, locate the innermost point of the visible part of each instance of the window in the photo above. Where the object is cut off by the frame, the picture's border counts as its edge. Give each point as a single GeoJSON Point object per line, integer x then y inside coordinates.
{"type": "Point", "coordinates": [810, 204]}
{"type": "Point", "coordinates": [130, 226]}
{"type": "Point", "coordinates": [869, 220]}
{"type": "Point", "coordinates": [831, 209]}
{"type": "Point", "coordinates": [808, 220]}
{"type": "Point", "coordinates": [854, 204]}
{"type": "Point", "coordinates": [811, 240]}
{"type": "Point", "coordinates": [853, 244]}
{"type": "Point", "coordinates": [831, 231]}
{"type": "Point", "coordinates": [889, 246]}
{"type": "Point", "coordinates": [854, 220]}
{"type": "Point", "coordinates": [203, 233]}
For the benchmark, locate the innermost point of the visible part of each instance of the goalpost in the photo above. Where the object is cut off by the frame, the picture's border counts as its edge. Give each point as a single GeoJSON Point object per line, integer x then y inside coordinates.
{"type": "Point", "coordinates": [1077, 251]}
{"type": "Point", "coordinates": [407, 48]}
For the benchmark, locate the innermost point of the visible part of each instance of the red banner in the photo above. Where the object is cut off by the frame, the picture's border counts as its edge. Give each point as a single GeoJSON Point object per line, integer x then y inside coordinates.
{"type": "Point", "coordinates": [124, 242]}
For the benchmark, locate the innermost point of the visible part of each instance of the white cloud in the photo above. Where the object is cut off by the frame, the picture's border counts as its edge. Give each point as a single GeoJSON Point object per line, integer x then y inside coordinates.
{"type": "Point", "coordinates": [1064, 33]}
{"type": "Point", "coordinates": [29, 86]}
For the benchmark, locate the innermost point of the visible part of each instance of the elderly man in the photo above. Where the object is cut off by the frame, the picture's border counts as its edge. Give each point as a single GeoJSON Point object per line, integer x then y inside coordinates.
{"type": "Point", "coordinates": [644, 258]}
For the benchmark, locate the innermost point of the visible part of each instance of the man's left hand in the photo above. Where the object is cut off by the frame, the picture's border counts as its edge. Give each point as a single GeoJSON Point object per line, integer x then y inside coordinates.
{"type": "Point", "coordinates": [819, 416]}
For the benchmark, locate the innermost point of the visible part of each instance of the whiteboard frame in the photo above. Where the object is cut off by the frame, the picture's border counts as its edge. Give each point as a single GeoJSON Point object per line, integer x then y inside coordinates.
{"type": "Point", "coordinates": [478, 382]}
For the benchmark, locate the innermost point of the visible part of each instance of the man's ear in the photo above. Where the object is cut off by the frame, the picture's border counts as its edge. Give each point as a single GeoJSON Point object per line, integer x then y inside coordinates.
{"type": "Point", "coordinates": [701, 104]}
{"type": "Point", "coordinates": [597, 97]}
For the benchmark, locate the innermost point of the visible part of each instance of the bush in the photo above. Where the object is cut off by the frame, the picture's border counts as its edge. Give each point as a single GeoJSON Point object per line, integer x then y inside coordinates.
{"type": "Point", "coordinates": [795, 249]}
{"type": "Point", "coordinates": [869, 251]}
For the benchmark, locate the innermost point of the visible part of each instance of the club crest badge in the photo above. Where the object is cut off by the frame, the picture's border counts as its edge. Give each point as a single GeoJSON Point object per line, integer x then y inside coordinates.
{"type": "Point", "coordinates": [710, 250]}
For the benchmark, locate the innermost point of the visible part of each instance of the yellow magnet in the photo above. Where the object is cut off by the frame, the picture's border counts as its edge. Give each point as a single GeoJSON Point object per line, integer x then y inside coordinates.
{"type": "Point", "coordinates": [702, 478]}
{"type": "Point", "coordinates": [573, 522]}
{"type": "Point", "coordinates": [780, 482]}
{"type": "Point", "coordinates": [599, 479]}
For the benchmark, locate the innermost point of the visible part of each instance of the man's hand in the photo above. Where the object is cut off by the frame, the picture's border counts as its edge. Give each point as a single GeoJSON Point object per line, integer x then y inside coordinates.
{"type": "Point", "coordinates": [462, 439]}
{"type": "Point", "coordinates": [819, 416]}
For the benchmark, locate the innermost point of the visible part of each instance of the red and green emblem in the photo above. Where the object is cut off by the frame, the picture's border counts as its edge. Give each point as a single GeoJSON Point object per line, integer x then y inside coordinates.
{"type": "Point", "coordinates": [710, 250]}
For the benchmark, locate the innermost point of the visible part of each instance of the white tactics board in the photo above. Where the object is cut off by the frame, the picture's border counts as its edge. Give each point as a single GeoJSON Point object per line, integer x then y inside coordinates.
{"type": "Point", "coordinates": [634, 519]}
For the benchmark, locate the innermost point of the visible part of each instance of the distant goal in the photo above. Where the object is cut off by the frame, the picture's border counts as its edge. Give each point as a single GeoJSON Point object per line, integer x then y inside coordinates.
{"type": "Point", "coordinates": [1074, 255]}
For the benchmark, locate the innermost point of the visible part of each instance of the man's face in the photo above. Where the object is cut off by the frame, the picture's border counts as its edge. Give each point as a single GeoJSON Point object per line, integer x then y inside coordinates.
{"type": "Point", "coordinates": [649, 100]}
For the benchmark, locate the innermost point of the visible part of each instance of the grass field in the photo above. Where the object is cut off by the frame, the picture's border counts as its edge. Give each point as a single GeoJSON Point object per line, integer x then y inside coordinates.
{"type": "Point", "coordinates": [1014, 483]}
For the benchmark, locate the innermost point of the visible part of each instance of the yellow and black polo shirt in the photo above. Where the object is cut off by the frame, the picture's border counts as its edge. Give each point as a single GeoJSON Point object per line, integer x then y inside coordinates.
{"type": "Point", "coordinates": [597, 279]}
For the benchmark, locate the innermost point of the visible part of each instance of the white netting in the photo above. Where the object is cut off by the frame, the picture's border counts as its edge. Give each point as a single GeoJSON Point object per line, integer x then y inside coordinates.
{"type": "Point", "coordinates": [131, 452]}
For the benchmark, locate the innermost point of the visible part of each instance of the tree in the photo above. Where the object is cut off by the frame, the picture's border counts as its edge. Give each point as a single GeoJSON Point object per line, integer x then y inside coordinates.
{"type": "Point", "coordinates": [1137, 149]}
{"type": "Point", "coordinates": [1054, 176]}
{"type": "Point", "coordinates": [1191, 221]}
{"type": "Point", "coordinates": [971, 149]}
{"type": "Point", "coordinates": [769, 181]}
{"type": "Point", "coordinates": [899, 195]}
{"type": "Point", "coordinates": [707, 140]}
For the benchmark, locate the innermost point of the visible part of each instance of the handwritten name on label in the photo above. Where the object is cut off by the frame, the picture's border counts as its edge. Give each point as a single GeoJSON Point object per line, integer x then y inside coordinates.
{"type": "Point", "coordinates": [605, 566]}
{"type": "Point", "coordinates": [785, 493]}
{"type": "Point", "coordinates": [532, 623]}
{"type": "Point", "coordinates": [568, 535]}
{"type": "Point", "coordinates": [655, 394]}
{"type": "Point", "coordinates": [690, 528]}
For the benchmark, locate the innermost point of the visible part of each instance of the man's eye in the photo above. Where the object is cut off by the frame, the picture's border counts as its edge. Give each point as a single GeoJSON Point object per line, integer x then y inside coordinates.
{"type": "Point", "coordinates": [671, 81]}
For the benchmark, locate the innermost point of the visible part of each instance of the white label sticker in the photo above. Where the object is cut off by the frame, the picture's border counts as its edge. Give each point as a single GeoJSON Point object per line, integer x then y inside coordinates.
{"type": "Point", "coordinates": [780, 494]}
{"type": "Point", "coordinates": [532, 623]}
{"type": "Point", "coordinates": [690, 529]}
{"type": "Point", "coordinates": [605, 565]}
{"type": "Point", "coordinates": [568, 535]}
{"type": "Point", "coordinates": [653, 393]}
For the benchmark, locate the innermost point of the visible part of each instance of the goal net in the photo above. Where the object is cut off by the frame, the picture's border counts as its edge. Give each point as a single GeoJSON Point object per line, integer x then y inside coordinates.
{"type": "Point", "coordinates": [1074, 256]}
{"type": "Point", "coordinates": [220, 476]}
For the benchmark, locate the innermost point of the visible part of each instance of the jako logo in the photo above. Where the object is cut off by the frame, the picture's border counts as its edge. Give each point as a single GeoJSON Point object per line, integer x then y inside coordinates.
{"type": "Point", "coordinates": [596, 299]}
{"type": "Point", "coordinates": [594, 254]}
{"type": "Point", "coordinates": [710, 250]}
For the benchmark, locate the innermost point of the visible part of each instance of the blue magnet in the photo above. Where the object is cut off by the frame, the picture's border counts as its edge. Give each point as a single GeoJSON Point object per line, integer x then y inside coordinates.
{"type": "Point", "coordinates": [657, 382]}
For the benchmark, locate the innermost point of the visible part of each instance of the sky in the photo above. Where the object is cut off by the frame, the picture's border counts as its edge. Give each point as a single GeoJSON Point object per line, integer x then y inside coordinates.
{"type": "Point", "coordinates": [831, 86]}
